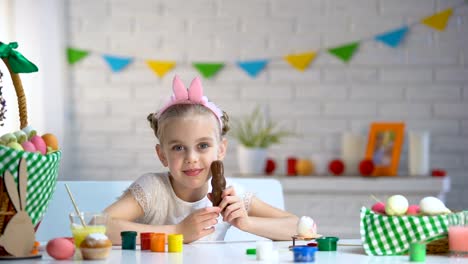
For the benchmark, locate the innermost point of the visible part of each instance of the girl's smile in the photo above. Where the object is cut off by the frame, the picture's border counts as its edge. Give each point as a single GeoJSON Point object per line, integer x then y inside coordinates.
{"type": "Point", "coordinates": [193, 172]}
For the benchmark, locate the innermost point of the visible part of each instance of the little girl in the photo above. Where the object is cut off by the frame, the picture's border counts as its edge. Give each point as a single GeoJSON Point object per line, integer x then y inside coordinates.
{"type": "Point", "coordinates": [191, 131]}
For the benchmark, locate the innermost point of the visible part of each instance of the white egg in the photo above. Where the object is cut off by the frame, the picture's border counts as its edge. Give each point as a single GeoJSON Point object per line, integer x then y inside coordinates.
{"type": "Point", "coordinates": [433, 206]}
{"type": "Point", "coordinates": [396, 205]}
{"type": "Point", "coordinates": [306, 227]}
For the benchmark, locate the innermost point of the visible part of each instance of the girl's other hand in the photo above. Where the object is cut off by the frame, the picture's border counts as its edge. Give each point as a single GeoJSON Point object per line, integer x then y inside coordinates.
{"type": "Point", "coordinates": [233, 210]}
{"type": "Point", "coordinates": [198, 224]}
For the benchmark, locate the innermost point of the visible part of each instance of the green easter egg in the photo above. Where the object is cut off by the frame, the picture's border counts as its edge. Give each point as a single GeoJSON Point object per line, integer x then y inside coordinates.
{"type": "Point", "coordinates": [15, 145]}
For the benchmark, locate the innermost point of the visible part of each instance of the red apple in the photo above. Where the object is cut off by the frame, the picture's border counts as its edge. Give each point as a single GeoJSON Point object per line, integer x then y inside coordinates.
{"type": "Point", "coordinates": [379, 207]}
{"type": "Point", "coordinates": [413, 209]}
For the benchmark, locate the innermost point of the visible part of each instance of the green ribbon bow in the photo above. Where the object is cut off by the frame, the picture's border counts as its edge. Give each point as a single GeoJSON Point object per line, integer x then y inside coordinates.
{"type": "Point", "coordinates": [18, 63]}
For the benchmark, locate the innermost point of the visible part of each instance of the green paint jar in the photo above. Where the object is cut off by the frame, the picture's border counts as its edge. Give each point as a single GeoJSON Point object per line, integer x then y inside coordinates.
{"type": "Point", "coordinates": [327, 243]}
{"type": "Point", "coordinates": [128, 239]}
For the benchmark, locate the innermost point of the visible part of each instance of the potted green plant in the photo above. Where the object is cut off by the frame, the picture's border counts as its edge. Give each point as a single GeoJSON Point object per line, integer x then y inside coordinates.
{"type": "Point", "coordinates": [255, 134]}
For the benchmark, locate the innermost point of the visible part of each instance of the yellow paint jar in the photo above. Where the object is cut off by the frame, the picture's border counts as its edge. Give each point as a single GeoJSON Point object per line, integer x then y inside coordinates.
{"type": "Point", "coordinates": [175, 242]}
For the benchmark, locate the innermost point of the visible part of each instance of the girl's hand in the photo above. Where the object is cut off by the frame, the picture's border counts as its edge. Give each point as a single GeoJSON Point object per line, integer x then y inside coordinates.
{"type": "Point", "coordinates": [198, 224]}
{"type": "Point", "coordinates": [232, 209]}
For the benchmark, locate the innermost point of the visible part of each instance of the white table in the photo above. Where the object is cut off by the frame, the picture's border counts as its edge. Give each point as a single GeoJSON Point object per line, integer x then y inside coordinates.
{"type": "Point", "coordinates": [349, 251]}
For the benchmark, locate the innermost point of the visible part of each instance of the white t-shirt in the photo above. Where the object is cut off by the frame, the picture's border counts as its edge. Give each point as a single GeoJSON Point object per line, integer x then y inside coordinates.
{"type": "Point", "coordinates": [161, 206]}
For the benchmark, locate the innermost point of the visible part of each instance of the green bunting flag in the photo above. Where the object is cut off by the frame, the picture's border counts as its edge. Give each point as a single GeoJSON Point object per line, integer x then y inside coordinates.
{"type": "Point", "coordinates": [344, 52]}
{"type": "Point", "coordinates": [208, 70]}
{"type": "Point", "coordinates": [75, 55]}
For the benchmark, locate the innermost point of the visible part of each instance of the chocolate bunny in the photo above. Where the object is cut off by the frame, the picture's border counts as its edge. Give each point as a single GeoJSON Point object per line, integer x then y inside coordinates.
{"type": "Point", "coordinates": [218, 182]}
{"type": "Point", "coordinates": [18, 237]}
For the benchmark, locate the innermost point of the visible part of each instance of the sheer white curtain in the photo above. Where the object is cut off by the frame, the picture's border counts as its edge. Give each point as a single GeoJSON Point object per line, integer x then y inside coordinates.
{"type": "Point", "coordinates": [39, 28]}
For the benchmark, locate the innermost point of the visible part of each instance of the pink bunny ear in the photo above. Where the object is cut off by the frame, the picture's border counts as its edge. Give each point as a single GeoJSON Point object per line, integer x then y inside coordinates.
{"type": "Point", "coordinates": [195, 92]}
{"type": "Point", "coordinates": [178, 87]}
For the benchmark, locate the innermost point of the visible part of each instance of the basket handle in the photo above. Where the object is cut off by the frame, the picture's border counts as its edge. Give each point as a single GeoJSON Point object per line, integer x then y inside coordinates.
{"type": "Point", "coordinates": [17, 63]}
{"type": "Point", "coordinates": [22, 107]}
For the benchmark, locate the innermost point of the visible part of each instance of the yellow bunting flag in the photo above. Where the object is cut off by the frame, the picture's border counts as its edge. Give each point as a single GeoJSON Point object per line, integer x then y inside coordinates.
{"type": "Point", "coordinates": [300, 61]}
{"type": "Point", "coordinates": [439, 20]}
{"type": "Point", "coordinates": [160, 67]}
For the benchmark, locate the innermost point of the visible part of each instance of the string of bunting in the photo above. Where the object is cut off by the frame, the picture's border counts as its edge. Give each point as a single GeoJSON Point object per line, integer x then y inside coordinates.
{"type": "Point", "coordinates": [299, 61]}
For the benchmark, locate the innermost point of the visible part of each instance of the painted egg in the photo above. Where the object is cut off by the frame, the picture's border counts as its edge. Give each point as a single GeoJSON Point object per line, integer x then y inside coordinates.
{"type": "Point", "coordinates": [51, 141]}
{"type": "Point", "coordinates": [39, 144]}
{"type": "Point", "coordinates": [304, 167]}
{"type": "Point", "coordinates": [29, 146]}
{"type": "Point", "coordinates": [60, 248]}
{"type": "Point", "coordinates": [15, 145]}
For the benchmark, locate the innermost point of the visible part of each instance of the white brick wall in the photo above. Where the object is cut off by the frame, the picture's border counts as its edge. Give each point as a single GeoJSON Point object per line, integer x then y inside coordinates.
{"type": "Point", "coordinates": [423, 83]}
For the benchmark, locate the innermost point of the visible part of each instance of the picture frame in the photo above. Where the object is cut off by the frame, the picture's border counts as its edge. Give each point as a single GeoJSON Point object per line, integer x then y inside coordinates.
{"type": "Point", "coordinates": [384, 147]}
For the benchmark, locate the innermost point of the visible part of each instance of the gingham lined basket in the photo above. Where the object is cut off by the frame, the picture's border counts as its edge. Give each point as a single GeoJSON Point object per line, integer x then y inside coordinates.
{"type": "Point", "coordinates": [42, 169]}
{"type": "Point", "coordinates": [42, 177]}
{"type": "Point", "coordinates": [383, 235]}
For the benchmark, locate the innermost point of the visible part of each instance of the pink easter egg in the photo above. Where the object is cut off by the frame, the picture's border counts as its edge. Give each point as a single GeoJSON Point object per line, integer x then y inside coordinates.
{"type": "Point", "coordinates": [39, 144]}
{"type": "Point", "coordinates": [60, 248]}
{"type": "Point", "coordinates": [29, 146]}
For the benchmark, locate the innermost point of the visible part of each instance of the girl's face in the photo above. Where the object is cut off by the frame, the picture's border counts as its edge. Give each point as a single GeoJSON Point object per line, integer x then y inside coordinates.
{"type": "Point", "coordinates": [190, 145]}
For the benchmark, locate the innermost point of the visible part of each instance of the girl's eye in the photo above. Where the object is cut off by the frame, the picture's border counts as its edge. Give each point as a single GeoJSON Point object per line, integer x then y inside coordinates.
{"type": "Point", "coordinates": [204, 145]}
{"type": "Point", "coordinates": [177, 148]}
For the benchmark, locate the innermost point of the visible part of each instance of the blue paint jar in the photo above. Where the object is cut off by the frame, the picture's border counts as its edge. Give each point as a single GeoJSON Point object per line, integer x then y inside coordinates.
{"type": "Point", "coordinates": [304, 253]}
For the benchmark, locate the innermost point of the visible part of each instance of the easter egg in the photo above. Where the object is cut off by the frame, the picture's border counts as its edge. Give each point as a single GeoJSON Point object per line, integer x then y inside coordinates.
{"type": "Point", "coordinates": [379, 207]}
{"type": "Point", "coordinates": [336, 167]}
{"type": "Point", "coordinates": [270, 166]}
{"type": "Point", "coordinates": [51, 141]}
{"type": "Point", "coordinates": [396, 205]}
{"type": "Point", "coordinates": [15, 145]}
{"type": "Point", "coordinates": [413, 209]}
{"type": "Point", "coordinates": [366, 167]}
{"type": "Point", "coordinates": [29, 146]}
{"type": "Point", "coordinates": [39, 144]}
{"type": "Point", "coordinates": [304, 167]}
{"type": "Point", "coordinates": [60, 248]}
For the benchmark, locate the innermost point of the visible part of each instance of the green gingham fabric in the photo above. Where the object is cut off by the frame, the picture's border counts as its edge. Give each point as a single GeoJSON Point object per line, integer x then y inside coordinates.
{"type": "Point", "coordinates": [383, 235]}
{"type": "Point", "coordinates": [42, 177]}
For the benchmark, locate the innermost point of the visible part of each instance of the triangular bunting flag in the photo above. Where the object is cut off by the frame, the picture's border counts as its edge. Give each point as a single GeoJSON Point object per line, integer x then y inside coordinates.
{"type": "Point", "coordinates": [439, 20]}
{"type": "Point", "coordinates": [345, 52]}
{"type": "Point", "coordinates": [160, 67]}
{"type": "Point", "coordinates": [208, 70]}
{"type": "Point", "coordinates": [300, 61]}
{"type": "Point", "coordinates": [393, 38]}
{"type": "Point", "coordinates": [74, 55]}
{"type": "Point", "coordinates": [254, 67]}
{"type": "Point", "coordinates": [117, 63]}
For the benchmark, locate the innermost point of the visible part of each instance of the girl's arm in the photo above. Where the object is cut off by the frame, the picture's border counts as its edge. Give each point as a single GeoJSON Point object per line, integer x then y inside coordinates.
{"type": "Point", "coordinates": [270, 222]}
{"type": "Point", "coordinates": [122, 213]}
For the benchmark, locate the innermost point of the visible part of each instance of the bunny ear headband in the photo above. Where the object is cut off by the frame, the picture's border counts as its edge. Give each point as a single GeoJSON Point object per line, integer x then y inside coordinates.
{"type": "Point", "coordinates": [192, 95]}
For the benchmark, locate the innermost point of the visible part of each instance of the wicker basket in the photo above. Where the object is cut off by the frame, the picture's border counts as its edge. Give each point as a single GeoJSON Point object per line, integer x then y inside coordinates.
{"type": "Point", "coordinates": [392, 235]}
{"type": "Point", "coordinates": [42, 170]}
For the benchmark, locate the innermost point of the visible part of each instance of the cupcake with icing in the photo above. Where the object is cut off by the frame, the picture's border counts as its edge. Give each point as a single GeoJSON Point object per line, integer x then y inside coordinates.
{"type": "Point", "coordinates": [95, 246]}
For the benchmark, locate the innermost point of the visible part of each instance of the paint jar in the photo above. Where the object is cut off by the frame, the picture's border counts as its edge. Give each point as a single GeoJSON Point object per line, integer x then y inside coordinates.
{"type": "Point", "coordinates": [264, 250]}
{"type": "Point", "coordinates": [145, 240]}
{"type": "Point", "coordinates": [417, 252]}
{"type": "Point", "coordinates": [158, 242]}
{"type": "Point", "coordinates": [327, 243]}
{"type": "Point", "coordinates": [304, 253]}
{"type": "Point", "coordinates": [175, 242]}
{"type": "Point", "coordinates": [128, 239]}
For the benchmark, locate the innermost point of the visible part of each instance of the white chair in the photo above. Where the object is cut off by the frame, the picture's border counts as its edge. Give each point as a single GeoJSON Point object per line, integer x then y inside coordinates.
{"type": "Point", "coordinates": [95, 196]}
{"type": "Point", "coordinates": [267, 190]}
